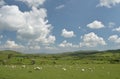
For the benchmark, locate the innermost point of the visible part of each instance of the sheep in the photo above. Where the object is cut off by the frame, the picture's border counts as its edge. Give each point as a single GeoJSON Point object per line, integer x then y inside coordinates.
{"type": "Point", "coordinates": [90, 69]}
{"type": "Point", "coordinates": [82, 70]}
{"type": "Point", "coordinates": [23, 66]}
{"type": "Point", "coordinates": [13, 66]}
{"type": "Point", "coordinates": [64, 69]}
{"type": "Point", "coordinates": [37, 68]}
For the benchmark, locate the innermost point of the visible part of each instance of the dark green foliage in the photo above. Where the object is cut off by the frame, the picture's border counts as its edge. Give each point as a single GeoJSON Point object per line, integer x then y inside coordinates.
{"type": "Point", "coordinates": [33, 62]}
{"type": "Point", "coordinates": [10, 56]}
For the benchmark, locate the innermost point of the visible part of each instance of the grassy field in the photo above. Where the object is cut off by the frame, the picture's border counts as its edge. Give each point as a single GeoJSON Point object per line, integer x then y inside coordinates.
{"type": "Point", "coordinates": [83, 71]}
{"type": "Point", "coordinates": [71, 65]}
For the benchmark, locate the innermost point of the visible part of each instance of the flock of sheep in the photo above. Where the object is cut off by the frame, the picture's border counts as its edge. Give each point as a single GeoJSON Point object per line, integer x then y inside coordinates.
{"type": "Point", "coordinates": [63, 68]}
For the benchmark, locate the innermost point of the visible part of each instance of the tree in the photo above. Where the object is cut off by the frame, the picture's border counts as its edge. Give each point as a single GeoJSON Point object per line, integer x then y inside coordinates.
{"type": "Point", "coordinates": [10, 56]}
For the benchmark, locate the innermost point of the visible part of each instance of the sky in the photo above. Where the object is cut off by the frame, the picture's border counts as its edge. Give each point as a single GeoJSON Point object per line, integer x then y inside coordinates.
{"type": "Point", "coordinates": [54, 26]}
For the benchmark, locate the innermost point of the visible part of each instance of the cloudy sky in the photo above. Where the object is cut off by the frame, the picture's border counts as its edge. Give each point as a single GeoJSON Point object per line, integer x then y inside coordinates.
{"type": "Point", "coordinates": [52, 26]}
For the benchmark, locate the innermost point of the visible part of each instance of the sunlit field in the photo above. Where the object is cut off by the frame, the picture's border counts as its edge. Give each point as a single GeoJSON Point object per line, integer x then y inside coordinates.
{"type": "Point", "coordinates": [83, 71]}
{"type": "Point", "coordinates": [72, 65]}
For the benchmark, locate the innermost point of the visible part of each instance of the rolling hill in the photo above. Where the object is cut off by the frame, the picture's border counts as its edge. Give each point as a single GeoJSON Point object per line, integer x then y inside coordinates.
{"type": "Point", "coordinates": [108, 56]}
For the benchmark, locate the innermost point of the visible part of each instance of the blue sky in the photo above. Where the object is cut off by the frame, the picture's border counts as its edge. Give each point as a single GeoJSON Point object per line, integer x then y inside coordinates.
{"type": "Point", "coordinates": [54, 26]}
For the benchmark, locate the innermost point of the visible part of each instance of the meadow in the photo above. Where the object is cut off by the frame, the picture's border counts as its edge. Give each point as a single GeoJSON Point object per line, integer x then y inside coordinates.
{"type": "Point", "coordinates": [83, 71]}
{"type": "Point", "coordinates": [70, 65]}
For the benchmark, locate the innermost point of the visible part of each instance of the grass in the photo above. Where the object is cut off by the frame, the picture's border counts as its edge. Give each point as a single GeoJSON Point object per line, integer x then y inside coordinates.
{"type": "Point", "coordinates": [97, 71]}
{"type": "Point", "coordinates": [97, 65]}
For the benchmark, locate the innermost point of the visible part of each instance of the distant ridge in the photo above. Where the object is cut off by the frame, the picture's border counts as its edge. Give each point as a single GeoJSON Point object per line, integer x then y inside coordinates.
{"type": "Point", "coordinates": [80, 52]}
{"type": "Point", "coordinates": [9, 52]}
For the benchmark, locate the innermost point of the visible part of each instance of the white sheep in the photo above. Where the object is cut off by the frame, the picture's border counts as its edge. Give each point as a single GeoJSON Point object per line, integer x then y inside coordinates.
{"type": "Point", "coordinates": [64, 69]}
{"type": "Point", "coordinates": [82, 70]}
{"type": "Point", "coordinates": [38, 68]}
{"type": "Point", "coordinates": [23, 66]}
{"type": "Point", "coordinates": [13, 66]}
{"type": "Point", "coordinates": [90, 69]}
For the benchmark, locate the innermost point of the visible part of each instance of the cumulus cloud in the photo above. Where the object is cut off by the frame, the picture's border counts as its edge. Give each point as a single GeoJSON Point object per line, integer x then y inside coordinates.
{"type": "Point", "coordinates": [51, 48]}
{"type": "Point", "coordinates": [34, 47]}
{"type": "Point", "coordinates": [12, 45]}
{"type": "Point", "coordinates": [116, 29]}
{"type": "Point", "coordinates": [67, 34]}
{"type": "Point", "coordinates": [114, 38]}
{"type": "Point", "coordinates": [8, 15]}
{"type": "Point", "coordinates": [50, 39]}
{"type": "Point", "coordinates": [67, 44]}
{"type": "Point", "coordinates": [96, 25]}
{"type": "Point", "coordinates": [60, 6]}
{"type": "Point", "coordinates": [108, 3]}
{"type": "Point", "coordinates": [92, 40]}
{"type": "Point", "coordinates": [28, 25]}
{"type": "Point", "coordinates": [31, 3]}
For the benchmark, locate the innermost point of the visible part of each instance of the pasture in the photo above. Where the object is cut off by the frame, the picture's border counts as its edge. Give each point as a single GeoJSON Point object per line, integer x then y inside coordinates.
{"type": "Point", "coordinates": [77, 71]}
{"type": "Point", "coordinates": [71, 65]}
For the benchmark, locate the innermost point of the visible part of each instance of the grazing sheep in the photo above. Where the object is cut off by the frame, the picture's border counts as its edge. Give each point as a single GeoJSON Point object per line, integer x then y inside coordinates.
{"type": "Point", "coordinates": [64, 69]}
{"type": "Point", "coordinates": [38, 68]}
{"type": "Point", "coordinates": [13, 66]}
{"type": "Point", "coordinates": [82, 70]}
{"type": "Point", "coordinates": [23, 66]}
{"type": "Point", "coordinates": [90, 69]}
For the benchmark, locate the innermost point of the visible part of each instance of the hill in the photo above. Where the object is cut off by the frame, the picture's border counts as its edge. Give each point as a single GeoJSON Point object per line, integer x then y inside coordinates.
{"type": "Point", "coordinates": [84, 57]}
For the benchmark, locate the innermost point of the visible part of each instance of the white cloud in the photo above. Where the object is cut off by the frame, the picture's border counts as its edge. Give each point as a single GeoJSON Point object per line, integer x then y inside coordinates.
{"type": "Point", "coordinates": [95, 25]}
{"type": "Point", "coordinates": [51, 48]}
{"type": "Point", "coordinates": [60, 6]}
{"type": "Point", "coordinates": [31, 25]}
{"type": "Point", "coordinates": [50, 39]}
{"type": "Point", "coordinates": [65, 44]}
{"type": "Point", "coordinates": [12, 45]}
{"type": "Point", "coordinates": [116, 29]}
{"type": "Point", "coordinates": [108, 3]}
{"type": "Point", "coordinates": [8, 15]}
{"type": "Point", "coordinates": [114, 38]}
{"type": "Point", "coordinates": [67, 34]}
{"type": "Point", "coordinates": [31, 3]}
{"type": "Point", "coordinates": [34, 47]}
{"type": "Point", "coordinates": [92, 40]}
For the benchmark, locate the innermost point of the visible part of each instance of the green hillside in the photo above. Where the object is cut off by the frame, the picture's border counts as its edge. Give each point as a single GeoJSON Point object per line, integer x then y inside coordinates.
{"type": "Point", "coordinates": [77, 57]}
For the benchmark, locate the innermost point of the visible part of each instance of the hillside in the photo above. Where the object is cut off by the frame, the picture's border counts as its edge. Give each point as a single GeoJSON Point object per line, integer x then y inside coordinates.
{"type": "Point", "coordinates": [85, 57]}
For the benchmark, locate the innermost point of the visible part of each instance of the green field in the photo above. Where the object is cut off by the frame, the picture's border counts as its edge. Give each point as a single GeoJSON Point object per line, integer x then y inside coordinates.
{"type": "Point", "coordinates": [70, 65]}
{"type": "Point", "coordinates": [91, 71]}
